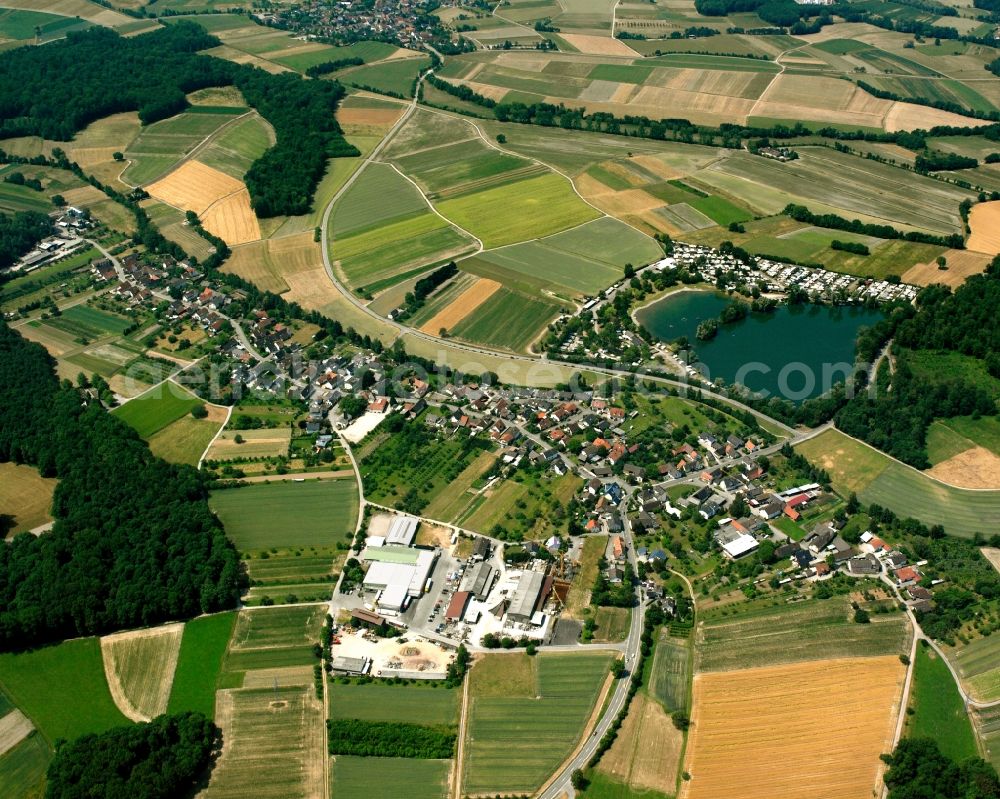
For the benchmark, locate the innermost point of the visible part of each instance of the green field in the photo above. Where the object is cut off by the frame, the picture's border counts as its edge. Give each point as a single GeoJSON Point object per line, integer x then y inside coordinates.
{"type": "Point", "coordinates": [584, 260]}
{"type": "Point", "coordinates": [978, 663]}
{"type": "Point", "coordinates": [455, 166]}
{"type": "Point", "coordinates": [515, 212]}
{"type": "Point", "coordinates": [670, 675]}
{"type": "Point", "coordinates": [203, 646]}
{"type": "Point", "coordinates": [989, 731]}
{"type": "Point", "coordinates": [287, 514]}
{"type": "Point", "coordinates": [21, 198]}
{"type": "Point", "coordinates": [272, 638]}
{"type": "Point", "coordinates": [184, 440]}
{"type": "Point", "coordinates": [514, 743]}
{"type": "Point", "coordinates": [388, 778]}
{"type": "Point", "coordinates": [764, 635]}
{"type": "Point", "coordinates": [391, 77]}
{"type": "Point", "coordinates": [507, 320]}
{"type": "Point", "coordinates": [158, 407]}
{"type": "Point", "coordinates": [403, 703]}
{"type": "Point", "coordinates": [82, 321]}
{"type": "Point", "coordinates": [604, 787]}
{"type": "Point", "coordinates": [160, 145]}
{"type": "Point", "coordinates": [22, 769]}
{"type": "Point", "coordinates": [62, 689]}
{"type": "Point", "coordinates": [234, 150]}
{"type": "Point", "coordinates": [876, 478]}
{"type": "Point", "coordinates": [379, 196]}
{"type": "Point", "coordinates": [23, 25]}
{"type": "Point", "coordinates": [938, 709]}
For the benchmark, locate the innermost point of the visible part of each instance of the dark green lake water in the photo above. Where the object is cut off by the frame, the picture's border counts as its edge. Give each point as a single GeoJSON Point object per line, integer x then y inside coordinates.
{"type": "Point", "coordinates": [795, 352]}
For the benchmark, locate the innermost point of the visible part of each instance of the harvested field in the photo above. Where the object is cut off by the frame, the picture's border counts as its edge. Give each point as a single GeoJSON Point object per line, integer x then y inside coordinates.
{"type": "Point", "coordinates": [273, 745]}
{"type": "Point", "coordinates": [274, 265]}
{"type": "Point", "coordinates": [379, 117]}
{"type": "Point", "coordinates": [908, 116]}
{"type": "Point", "coordinates": [646, 754]}
{"type": "Point", "coordinates": [961, 265]}
{"type": "Point", "coordinates": [744, 722]}
{"type": "Point", "coordinates": [14, 728]}
{"type": "Point", "coordinates": [232, 219]}
{"type": "Point", "coordinates": [194, 187]}
{"type": "Point", "coordinates": [984, 221]}
{"type": "Point", "coordinates": [992, 554]}
{"type": "Point", "coordinates": [462, 306]}
{"type": "Point", "coordinates": [597, 45]}
{"type": "Point", "coordinates": [974, 468]}
{"type": "Point", "coordinates": [256, 444]}
{"type": "Point", "coordinates": [140, 669]}
{"type": "Point", "coordinates": [25, 497]}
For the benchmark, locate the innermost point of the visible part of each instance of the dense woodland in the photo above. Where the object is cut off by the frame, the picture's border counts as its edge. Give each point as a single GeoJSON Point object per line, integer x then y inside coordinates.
{"type": "Point", "coordinates": [163, 759]}
{"type": "Point", "coordinates": [965, 322]}
{"type": "Point", "coordinates": [19, 233]}
{"type": "Point", "coordinates": [389, 739]}
{"type": "Point", "coordinates": [918, 770]}
{"type": "Point", "coordinates": [134, 542]}
{"type": "Point", "coordinates": [151, 74]}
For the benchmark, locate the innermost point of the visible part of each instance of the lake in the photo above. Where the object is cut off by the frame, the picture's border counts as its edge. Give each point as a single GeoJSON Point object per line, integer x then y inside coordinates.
{"type": "Point", "coordinates": [796, 352]}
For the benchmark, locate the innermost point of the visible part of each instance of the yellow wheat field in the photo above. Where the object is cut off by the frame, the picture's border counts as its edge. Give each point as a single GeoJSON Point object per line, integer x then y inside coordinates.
{"type": "Point", "coordinates": [810, 730]}
{"type": "Point", "coordinates": [984, 221]}
{"type": "Point", "coordinates": [961, 265]}
{"type": "Point", "coordinates": [597, 45]}
{"type": "Point", "coordinates": [232, 219]}
{"type": "Point", "coordinates": [140, 668]}
{"type": "Point", "coordinates": [194, 187]}
{"type": "Point", "coordinates": [463, 305]}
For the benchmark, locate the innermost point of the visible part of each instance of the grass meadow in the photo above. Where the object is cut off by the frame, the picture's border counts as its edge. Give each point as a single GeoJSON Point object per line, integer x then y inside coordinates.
{"type": "Point", "coordinates": [22, 768]}
{"type": "Point", "coordinates": [285, 513]}
{"type": "Point", "coordinates": [353, 777]}
{"type": "Point", "coordinates": [62, 689]}
{"type": "Point", "coordinates": [402, 703]}
{"type": "Point", "coordinates": [978, 663]}
{"type": "Point", "coordinates": [203, 646]}
{"type": "Point", "coordinates": [151, 412]}
{"type": "Point", "coordinates": [515, 742]}
{"type": "Point", "coordinates": [271, 638]}
{"type": "Point", "coordinates": [938, 709]}
{"type": "Point", "coordinates": [670, 674]}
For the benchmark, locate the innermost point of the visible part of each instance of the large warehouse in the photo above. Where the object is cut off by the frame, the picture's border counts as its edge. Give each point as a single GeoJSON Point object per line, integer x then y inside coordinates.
{"type": "Point", "coordinates": [525, 597]}
{"type": "Point", "coordinates": [398, 582]}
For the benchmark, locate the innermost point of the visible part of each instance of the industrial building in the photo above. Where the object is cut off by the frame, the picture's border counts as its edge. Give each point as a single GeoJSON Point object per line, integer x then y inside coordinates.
{"type": "Point", "coordinates": [526, 596]}
{"type": "Point", "coordinates": [457, 606]}
{"type": "Point", "coordinates": [478, 580]}
{"type": "Point", "coordinates": [402, 531]}
{"type": "Point", "coordinates": [397, 579]}
{"type": "Point", "coordinates": [346, 665]}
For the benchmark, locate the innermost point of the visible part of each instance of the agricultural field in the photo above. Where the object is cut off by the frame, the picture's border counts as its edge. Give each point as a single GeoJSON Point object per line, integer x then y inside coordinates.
{"type": "Point", "coordinates": [157, 408]}
{"type": "Point", "coordinates": [746, 721]}
{"type": "Point", "coordinates": [273, 638]}
{"type": "Point", "coordinates": [528, 509]}
{"type": "Point", "coordinates": [988, 724]}
{"type": "Point", "coordinates": [527, 209]}
{"type": "Point", "coordinates": [876, 478]}
{"type": "Point", "coordinates": [938, 710]}
{"type": "Point", "coordinates": [507, 320]}
{"type": "Point", "coordinates": [383, 229]}
{"type": "Point", "coordinates": [550, 699]}
{"type": "Point", "coordinates": [647, 751]}
{"type": "Point", "coordinates": [978, 664]}
{"type": "Point", "coordinates": [274, 744]}
{"type": "Point", "coordinates": [579, 593]}
{"type": "Point", "coordinates": [265, 443]}
{"type": "Point", "coordinates": [351, 778]}
{"type": "Point", "coordinates": [35, 27]}
{"type": "Point", "coordinates": [199, 663]}
{"type": "Point", "coordinates": [233, 150]}
{"type": "Point", "coordinates": [612, 624]}
{"type": "Point", "coordinates": [287, 514]}
{"type": "Point", "coordinates": [22, 768]}
{"type": "Point", "coordinates": [764, 635]}
{"type": "Point", "coordinates": [669, 676]}
{"type": "Point", "coordinates": [395, 77]}
{"type": "Point", "coordinates": [159, 146]}
{"type": "Point", "coordinates": [25, 498]}
{"type": "Point", "coordinates": [139, 666]}
{"type": "Point", "coordinates": [407, 704]}
{"type": "Point", "coordinates": [62, 689]}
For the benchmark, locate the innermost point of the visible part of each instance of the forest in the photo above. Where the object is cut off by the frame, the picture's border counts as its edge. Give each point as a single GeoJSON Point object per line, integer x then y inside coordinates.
{"type": "Point", "coordinates": [19, 233]}
{"type": "Point", "coordinates": [918, 770]}
{"type": "Point", "coordinates": [389, 739]}
{"type": "Point", "coordinates": [896, 421]}
{"type": "Point", "coordinates": [134, 542]}
{"type": "Point", "coordinates": [151, 74]}
{"type": "Point", "coordinates": [166, 758]}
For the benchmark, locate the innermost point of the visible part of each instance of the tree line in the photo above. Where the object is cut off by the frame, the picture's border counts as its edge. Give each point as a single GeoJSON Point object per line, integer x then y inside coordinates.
{"type": "Point", "coordinates": [802, 214]}
{"type": "Point", "coordinates": [152, 74]}
{"type": "Point", "coordinates": [389, 739]}
{"type": "Point", "coordinates": [134, 542]}
{"type": "Point", "coordinates": [166, 758]}
{"type": "Point", "coordinates": [19, 233]}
